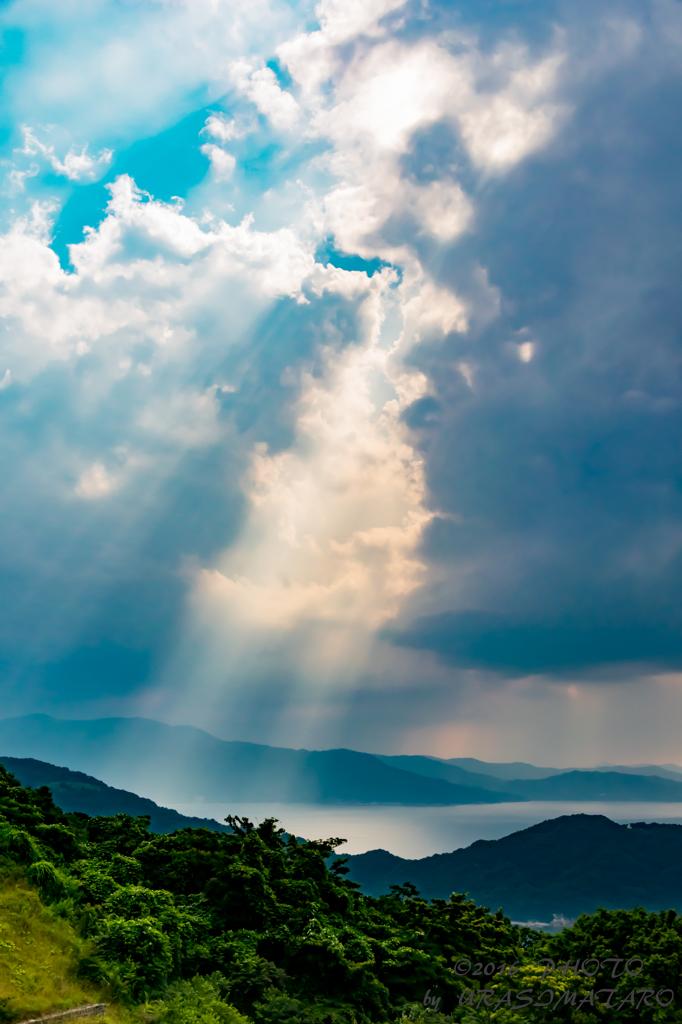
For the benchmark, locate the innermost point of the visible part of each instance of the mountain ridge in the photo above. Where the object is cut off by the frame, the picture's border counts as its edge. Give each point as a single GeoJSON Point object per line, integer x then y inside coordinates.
{"type": "Point", "coordinates": [562, 867]}
{"type": "Point", "coordinates": [181, 763]}
{"type": "Point", "coordinates": [184, 764]}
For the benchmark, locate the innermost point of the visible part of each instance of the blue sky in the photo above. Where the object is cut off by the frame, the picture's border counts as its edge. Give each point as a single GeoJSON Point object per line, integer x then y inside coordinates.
{"type": "Point", "coordinates": [340, 372]}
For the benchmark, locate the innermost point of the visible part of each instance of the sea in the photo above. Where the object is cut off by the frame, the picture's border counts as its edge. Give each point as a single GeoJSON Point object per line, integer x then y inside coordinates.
{"type": "Point", "coordinates": [414, 832]}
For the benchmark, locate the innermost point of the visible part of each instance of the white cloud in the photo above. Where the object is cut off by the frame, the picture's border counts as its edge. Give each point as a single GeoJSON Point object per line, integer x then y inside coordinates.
{"type": "Point", "coordinates": [330, 550]}
{"type": "Point", "coordinates": [341, 20]}
{"type": "Point", "coordinates": [263, 89]}
{"type": "Point", "coordinates": [222, 163]}
{"type": "Point", "coordinates": [385, 93]}
{"type": "Point", "coordinates": [113, 300]}
{"type": "Point", "coordinates": [75, 166]}
{"type": "Point", "coordinates": [340, 515]}
{"type": "Point", "coordinates": [434, 308]}
{"type": "Point", "coordinates": [184, 419]}
{"type": "Point", "coordinates": [389, 90]}
{"type": "Point", "coordinates": [337, 519]}
{"type": "Point", "coordinates": [126, 71]}
{"type": "Point", "coordinates": [503, 128]}
{"type": "Point", "coordinates": [312, 56]}
{"type": "Point", "coordinates": [442, 208]}
{"type": "Point", "coordinates": [17, 179]}
{"type": "Point", "coordinates": [95, 482]}
{"type": "Point", "coordinates": [222, 129]}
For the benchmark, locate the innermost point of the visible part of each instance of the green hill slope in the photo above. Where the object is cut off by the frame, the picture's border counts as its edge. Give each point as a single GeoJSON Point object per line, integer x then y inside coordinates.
{"type": "Point", "coordinates": [38, 954]}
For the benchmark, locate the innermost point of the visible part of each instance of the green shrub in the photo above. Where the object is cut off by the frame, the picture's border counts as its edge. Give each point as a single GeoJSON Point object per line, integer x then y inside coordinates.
{"type": "Point", "coordinates": [137, 901]}
{"type": "Point", "coordinates": [53, 884]}
{"type": "Point", "coordinates": [59, 839]}
{"type": "Point", "coordinates": [140, 947]}
{"type": "Point", "coordinates": [20, 846]}
{"type": "Point", "coordinates": [125, 870]}
{"type": "Point", "coordinates": [198, 1001]}
{"type": "Point", "coordinates": [95, 884]}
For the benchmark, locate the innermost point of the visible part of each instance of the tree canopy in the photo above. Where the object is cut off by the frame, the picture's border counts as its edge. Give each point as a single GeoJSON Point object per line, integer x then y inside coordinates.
{"type": "Point", "coordinates": [255, 923]}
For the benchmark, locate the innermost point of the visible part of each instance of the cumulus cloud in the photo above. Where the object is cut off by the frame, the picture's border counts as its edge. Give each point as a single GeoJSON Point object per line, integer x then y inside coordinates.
{"type": "Point", "coordinates": [260, 85]}
{"type": "Point", "coordinates": [502, 105]}
{"type": "Point", "coordinates": [222, 128]}
{"type": "Point", "coordinates": [451, 460]}
{"type": "Point", "coordinates": [223, 163]}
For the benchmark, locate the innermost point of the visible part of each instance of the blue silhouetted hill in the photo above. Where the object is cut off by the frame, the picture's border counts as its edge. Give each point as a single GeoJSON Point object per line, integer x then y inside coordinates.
{"type": "Point", "coordinates": [75, 791]}
{"type": "Point", "coordinates": [621, 783]}
{"type": "Point", "coordinates": [597, 785]}
{"type": "Point", "coordinates": [567, 866]}
{"type": "Point", "coordinates": [180, 763]}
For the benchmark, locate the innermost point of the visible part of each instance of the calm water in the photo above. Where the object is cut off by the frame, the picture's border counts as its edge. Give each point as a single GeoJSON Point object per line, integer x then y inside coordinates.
{"type": "Point", "coordinates": [420, 831]}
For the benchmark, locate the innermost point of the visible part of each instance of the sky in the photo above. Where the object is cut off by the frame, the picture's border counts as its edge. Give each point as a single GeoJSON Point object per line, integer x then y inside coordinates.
{"type": "Point", "coordinates": [340, 358]}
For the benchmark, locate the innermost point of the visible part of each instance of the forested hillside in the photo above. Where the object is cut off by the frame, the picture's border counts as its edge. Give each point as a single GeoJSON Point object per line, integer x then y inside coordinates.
{"type": "Point", "coordinates": [201, 927]}
{"type": "Point", "coordinates": [565, 866]}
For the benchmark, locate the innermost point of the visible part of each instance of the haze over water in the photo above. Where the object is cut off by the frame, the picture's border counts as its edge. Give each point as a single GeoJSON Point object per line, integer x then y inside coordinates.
{"type": "Point", "coordinates": [415, 832]}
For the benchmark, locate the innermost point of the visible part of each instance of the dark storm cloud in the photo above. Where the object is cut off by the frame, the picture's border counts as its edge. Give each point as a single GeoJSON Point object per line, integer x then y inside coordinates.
{"type": "Point", "coordinates": [563, 475]}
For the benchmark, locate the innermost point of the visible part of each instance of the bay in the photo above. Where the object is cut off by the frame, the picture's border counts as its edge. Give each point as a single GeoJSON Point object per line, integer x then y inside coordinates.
{"type": "Point", "coordinates": [414, 832]}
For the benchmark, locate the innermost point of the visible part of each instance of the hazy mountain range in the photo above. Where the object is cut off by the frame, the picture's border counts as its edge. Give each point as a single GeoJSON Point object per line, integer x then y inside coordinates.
{"type": "Point", "coordinates": [603, 783]}
{"type": "Point", "coordinates": [559, 868]}
{"type": "Point", "coordinates": [565, 867]}
{"type": "Point", "coordinates": [521, 770]}
{"type": "Point", "coordinates": [181, 764]}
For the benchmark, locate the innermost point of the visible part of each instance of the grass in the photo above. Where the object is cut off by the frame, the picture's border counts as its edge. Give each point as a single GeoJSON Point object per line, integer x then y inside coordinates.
{"type": "Point", "coordinates": [38, 953]}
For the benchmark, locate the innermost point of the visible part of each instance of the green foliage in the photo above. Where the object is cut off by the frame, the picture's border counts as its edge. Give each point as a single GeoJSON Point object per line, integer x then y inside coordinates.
{"type": "Point", "coordinates": [18, 844]}
{"type": "Point", "coordinates": [136, 901]}
{"type": "Point", "coordinates": [52, 882]}
{"type": "Point", "coordinates": [95, 884]}
{"type": "Point", "coordinates": [60, 840]}
{"type": "Point", "coordinates": [197, 1001]}
{"type": "Point", "coordinates": [140, 947]}
{"type": "Point", "coordinates": [26, 808]}
{"type": "Point", "coordinates": [221, 928]}
{"type": "Point", "coordinates": [118, 834]}
{"type": "Point", "coordinates": [125, 870]}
